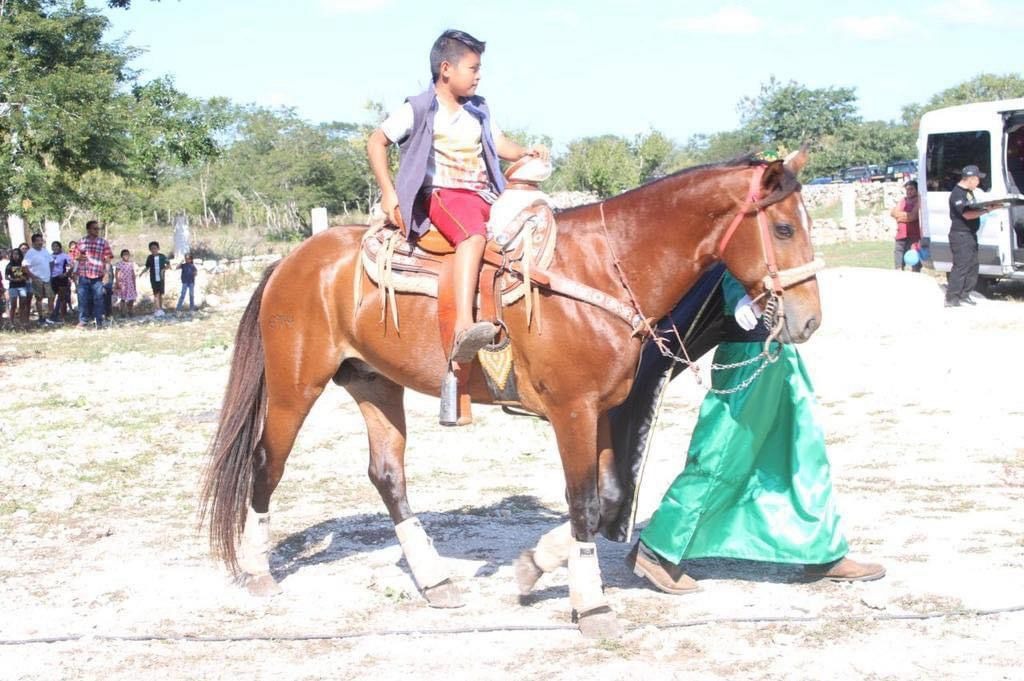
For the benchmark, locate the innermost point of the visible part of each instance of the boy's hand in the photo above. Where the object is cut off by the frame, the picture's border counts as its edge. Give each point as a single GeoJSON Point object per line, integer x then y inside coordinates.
{"type": "Point", "coordinates": [539, 151]}
{"type": "Point", "coordinates": [389, 204]}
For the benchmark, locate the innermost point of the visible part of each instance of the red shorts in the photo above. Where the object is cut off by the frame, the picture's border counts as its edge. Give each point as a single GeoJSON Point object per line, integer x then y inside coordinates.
{"type": "Point", "coordinates": [458, 214]}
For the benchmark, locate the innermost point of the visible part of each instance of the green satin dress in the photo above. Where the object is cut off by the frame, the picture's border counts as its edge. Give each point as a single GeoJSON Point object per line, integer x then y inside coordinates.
{"type": "Point", "coordinates": [757, 481]}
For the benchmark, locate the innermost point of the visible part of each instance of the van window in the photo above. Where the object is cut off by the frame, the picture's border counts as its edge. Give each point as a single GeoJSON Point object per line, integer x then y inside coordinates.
{"type": "Point", "coordinates": [949, 152]}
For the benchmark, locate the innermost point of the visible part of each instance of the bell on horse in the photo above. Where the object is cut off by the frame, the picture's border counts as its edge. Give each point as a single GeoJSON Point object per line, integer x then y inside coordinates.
{"type": "Point", "coordinates": [641, 250]}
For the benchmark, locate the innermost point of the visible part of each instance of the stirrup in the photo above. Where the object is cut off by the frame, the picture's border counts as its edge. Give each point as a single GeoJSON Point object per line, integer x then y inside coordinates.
{"type": "Point", "coordinates": [471, 340]}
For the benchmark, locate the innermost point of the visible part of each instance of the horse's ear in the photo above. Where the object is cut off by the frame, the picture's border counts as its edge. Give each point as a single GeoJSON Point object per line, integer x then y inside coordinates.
{"type": "Point", "coordinates": [796, 161]}
{"type": "Point", "coordinates": [772, 178]}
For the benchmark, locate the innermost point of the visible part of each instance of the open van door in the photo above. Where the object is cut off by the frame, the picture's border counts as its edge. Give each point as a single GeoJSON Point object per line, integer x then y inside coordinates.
{"type": "Point", "coordinates": [987, 135]}
{"type": "Point", "coordinates": [1014, 150]}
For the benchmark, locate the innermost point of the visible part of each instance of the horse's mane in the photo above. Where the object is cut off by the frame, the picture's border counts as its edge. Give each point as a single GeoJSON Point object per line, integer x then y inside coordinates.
{"type": "Point", "coordinates": [787, 186]}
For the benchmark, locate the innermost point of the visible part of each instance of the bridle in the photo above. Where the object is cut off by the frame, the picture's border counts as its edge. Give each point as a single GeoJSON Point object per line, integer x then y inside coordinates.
{"type": "Point", "coordinates": [774, 284]}
{"type": "Point", "coordinates": [776, 281]}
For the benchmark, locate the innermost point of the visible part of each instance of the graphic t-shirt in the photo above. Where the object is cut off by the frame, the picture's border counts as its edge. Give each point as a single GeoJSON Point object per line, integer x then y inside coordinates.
{"type": "Point", "coordinates": [959, 200]}
{"type": "Point", "coordinates": [156, 264]}
{"type": "Point", "coordinates": [16, 275]}
{"type": "Point", "coordinates": [457, 158]}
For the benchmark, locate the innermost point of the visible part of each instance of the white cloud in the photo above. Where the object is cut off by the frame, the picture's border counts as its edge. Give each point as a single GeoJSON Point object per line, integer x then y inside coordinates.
{"type": "Point", "coordinates": [726, 21]}
{"type": "Point", "coordinates": [352, 6]}
{"type": "Point", "coordinates": [966, 12]}
{"type": "Point", "coordinates": [879, 27]}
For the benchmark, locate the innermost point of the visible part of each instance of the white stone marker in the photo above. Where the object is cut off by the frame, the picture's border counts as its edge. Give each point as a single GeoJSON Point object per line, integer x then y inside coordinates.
{"type": "Point", "coordinates": [182, 238]}
{"type": "Point", "coordinates": [319, 220]}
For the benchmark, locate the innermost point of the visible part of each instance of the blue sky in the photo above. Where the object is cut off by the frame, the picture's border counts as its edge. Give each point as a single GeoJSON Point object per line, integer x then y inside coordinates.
{"type": "Point", "coordinates": [573, 68]}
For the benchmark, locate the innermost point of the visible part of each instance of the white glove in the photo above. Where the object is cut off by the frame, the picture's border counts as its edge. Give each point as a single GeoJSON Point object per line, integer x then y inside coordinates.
{"type": "Point", "coordinates": [747, 313]}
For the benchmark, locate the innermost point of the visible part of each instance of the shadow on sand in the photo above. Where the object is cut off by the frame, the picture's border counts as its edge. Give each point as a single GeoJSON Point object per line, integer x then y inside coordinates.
{"type": "Point", "coordinates": [495, 534]}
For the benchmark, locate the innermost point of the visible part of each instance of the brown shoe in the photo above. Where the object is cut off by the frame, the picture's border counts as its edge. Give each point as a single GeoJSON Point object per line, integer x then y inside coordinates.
{"type": "Point", "coordinates": [663, 575]}
{"type": "Point", "coordinates": [847, 570]}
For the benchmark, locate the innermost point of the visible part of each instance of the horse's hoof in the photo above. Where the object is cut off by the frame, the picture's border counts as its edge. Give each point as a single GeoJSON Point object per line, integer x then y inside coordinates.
{"type": "Point", "coordinates": [263, 586]}
{"type": "Point", "coordinates": [444, 595]}
{"type": "Point", "coordinates": [599, 622]}
{"type": "Point", "coordinates": [527, 572]}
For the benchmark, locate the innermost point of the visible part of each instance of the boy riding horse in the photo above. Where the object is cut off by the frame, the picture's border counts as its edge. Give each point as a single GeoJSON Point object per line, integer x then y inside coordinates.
{"type": "Point", "coordinates": [449, 173]}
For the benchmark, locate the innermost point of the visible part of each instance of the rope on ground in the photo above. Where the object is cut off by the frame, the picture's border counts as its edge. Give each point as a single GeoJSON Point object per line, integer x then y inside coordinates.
{"type": "Point", "coordinates": [501, 628]}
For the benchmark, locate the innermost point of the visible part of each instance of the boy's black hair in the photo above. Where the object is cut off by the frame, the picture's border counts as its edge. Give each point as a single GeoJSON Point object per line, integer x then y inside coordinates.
{"type": "Point", "coordinates": [125, 250]}
{"type": "Point", "coordinates": [57, 243]}
{"type": "Point", "coordinates": [153, 243]}
{"type": "Point", "coordinates": [35, 236]}
{"type": "Point", "coordinates": [449, 47]}
{"type": "Point", "coordinates": [92, 222]}
{"type": "Point", "coordinates": [911, 183]}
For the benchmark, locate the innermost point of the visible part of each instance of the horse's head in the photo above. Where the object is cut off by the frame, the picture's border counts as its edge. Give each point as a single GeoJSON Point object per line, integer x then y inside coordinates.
{"type": "Point", "coordinates": [769, 249]}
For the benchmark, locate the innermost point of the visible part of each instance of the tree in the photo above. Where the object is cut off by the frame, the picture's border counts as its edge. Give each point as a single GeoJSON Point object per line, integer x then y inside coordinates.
{"type": "Point", "coordinates": [787, 115]}
{"type": "Point", "coordinates": [654, 152]}
{"type": "Point", "coordinates": [69, 105]}
{"type": "Point", "coordinates": [604, 165]}
{"type": "Point", "coordinates": [985, 87]}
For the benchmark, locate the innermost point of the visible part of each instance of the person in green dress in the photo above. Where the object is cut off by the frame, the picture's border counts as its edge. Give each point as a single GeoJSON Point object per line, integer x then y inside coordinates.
{"type": "Point", "coordinates": [757, 483]}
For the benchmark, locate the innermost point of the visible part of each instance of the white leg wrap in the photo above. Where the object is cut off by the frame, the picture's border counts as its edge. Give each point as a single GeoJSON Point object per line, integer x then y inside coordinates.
{"type": "Point", "coordinates": [553, 548]}
{"type": "Point", "coordinates": [254, 552]}
{"type": "Point", "coordinates": [426, 565]}
{"type": "Point", "coordinates": [584, 577]}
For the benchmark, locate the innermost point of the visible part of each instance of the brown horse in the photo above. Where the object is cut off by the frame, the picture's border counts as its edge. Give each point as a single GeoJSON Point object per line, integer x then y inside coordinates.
{"type": "Point", "coordinates": [645, 247]}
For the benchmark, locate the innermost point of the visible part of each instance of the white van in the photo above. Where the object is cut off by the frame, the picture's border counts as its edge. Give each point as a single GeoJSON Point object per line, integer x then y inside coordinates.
{"type": "Point", "coordinates": [989, 135]}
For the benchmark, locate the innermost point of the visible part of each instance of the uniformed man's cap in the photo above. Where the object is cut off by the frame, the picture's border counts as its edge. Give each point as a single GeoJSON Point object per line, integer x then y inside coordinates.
{"type": "Point", "coordinates": [972, 171]}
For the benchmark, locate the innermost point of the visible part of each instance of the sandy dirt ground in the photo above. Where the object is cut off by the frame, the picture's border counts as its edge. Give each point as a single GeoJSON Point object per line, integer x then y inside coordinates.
{"type": "Point", "coordinates": [104, 435]}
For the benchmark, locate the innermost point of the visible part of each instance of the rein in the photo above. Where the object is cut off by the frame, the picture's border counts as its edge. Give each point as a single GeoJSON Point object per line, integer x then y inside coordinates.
{"type": "Point", "coordinates": [774, 283]}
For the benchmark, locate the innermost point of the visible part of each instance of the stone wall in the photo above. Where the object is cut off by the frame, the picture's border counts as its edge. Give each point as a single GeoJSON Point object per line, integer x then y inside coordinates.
{"type": "Point", "coordinates": [873, 201]}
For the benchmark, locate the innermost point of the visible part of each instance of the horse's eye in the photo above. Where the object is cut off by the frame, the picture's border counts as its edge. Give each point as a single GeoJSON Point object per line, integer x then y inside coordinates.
{"type": "Point", "coordinates": [783, 230]}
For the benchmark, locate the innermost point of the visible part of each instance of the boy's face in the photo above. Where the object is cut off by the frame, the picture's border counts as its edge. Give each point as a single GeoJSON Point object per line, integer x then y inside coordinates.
{"type": "Point", "coordinates": [126, 256]}
{"type": "Point", "coordinates": [154, 249]}
{"type": "Point", "coordinates": [463, 76]}
{"type": "Point", "coordinates": [56, 248]}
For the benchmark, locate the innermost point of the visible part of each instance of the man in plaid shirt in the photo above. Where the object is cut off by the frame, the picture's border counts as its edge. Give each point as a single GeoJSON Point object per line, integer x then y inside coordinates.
{"type": "Point", "coordinates": [91, 255]}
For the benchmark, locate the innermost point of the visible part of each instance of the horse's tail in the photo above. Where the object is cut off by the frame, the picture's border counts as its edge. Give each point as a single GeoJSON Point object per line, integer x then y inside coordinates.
{"type": "Point", "coordinates": [227, 485]}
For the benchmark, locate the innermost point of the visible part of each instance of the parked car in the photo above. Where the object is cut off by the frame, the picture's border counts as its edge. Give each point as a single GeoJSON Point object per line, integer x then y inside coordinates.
{"type": "Point", "coordinates": [868, 173]}
{"type": "Point", "coordinates": [821, 180]}
{"type": "Point", "coordinates": [901, 171]}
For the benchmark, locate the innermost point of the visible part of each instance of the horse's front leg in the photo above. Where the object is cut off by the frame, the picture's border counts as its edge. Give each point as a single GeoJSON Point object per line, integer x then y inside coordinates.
{"type": "Point", "coordinates": [576, 430]}
{"type": "Point", "coordinates": [381, 403]}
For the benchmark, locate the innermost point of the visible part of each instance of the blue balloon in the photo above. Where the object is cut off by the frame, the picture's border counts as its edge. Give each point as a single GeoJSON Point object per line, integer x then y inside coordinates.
{"type": "Point", "coordinates": [911, 258]}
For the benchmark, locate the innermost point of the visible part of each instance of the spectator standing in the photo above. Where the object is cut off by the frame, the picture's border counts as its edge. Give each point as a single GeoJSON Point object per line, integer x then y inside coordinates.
{"type": "Point", "coordinates": [964, 223]}
{"type": "Point", "coordinates": [908, 224]}
{"type": "Point", "coordinates": [108, 291]}
{"type": "Point", "coordinates": [73, 276]}
{"type": "Point", "coordinates": [17, 287]}
{"type": "Point", "coordinates": [156, 265]}
{"type": "Point", "coordinates": [188, 283]}
{"type": "Point", "coordinates": [60, 266]}
{"type": "Point", "coordinates": [91, 256]}
{"type": "Point", "coordinates": [5, 259]}
{"type": "Point", "coordinates": [124, 286]}
{"type": "Point", "coordinates": [37, 263]}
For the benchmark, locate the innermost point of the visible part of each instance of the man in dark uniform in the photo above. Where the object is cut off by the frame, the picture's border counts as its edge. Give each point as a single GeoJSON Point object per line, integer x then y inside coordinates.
{"type": "Point", "coordinates": [963, 238]}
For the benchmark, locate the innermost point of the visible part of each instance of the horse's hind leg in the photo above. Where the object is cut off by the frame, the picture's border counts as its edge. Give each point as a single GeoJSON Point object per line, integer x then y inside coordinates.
{"type": "Point", "coordinates": [284, 418]}
{"type": "Point", "coordinates": [381, 403]}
